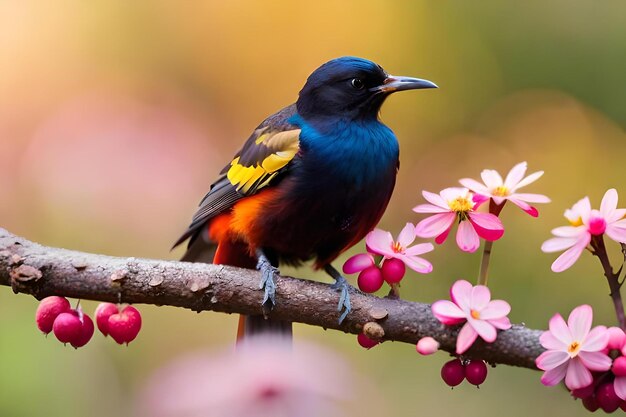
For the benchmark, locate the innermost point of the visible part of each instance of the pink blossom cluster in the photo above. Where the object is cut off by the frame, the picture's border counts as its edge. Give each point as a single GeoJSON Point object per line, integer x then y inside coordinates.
{"type": "Point", "coordinates": [473, 306]}
{"type": "Point", "coordinates": [461, 204]}
{"type": "Point", "coordinates": [396, 255]}
{"type": "Point", "coordinates": [591, 361]}
{"type": "Point", "coordinates": [586, 224]}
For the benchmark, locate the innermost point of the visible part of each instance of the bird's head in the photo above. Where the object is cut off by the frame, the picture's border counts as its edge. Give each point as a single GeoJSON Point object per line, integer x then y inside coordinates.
{"type": "Point", "coordinates": [351, 87]}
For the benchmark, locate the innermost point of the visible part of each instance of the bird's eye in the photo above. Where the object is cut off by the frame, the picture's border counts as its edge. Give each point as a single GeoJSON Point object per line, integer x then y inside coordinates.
{"type": "Point", "coordinates": [357, 83]}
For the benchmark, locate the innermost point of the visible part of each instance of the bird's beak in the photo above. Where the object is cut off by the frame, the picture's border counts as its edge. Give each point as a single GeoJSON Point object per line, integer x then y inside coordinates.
{"type": "Point", "coordinates": [395, 83]}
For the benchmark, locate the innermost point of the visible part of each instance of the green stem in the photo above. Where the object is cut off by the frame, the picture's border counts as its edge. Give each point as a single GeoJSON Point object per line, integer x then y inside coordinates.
{"type": "Point", "coordinates": [484, 264]}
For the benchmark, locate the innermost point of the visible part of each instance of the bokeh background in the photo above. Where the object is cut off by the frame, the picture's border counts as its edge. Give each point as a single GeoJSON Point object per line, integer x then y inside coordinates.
{"type": "Point", "coordinates": [116, 116]}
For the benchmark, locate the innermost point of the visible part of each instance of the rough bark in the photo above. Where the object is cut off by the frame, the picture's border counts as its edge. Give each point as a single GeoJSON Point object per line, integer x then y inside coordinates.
{"type": "Point", "coordinates": [42, 271]}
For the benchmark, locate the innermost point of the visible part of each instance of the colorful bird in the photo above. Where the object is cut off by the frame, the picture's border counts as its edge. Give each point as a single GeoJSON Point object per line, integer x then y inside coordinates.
{"type": "Point", "coordinates": [310, 182]}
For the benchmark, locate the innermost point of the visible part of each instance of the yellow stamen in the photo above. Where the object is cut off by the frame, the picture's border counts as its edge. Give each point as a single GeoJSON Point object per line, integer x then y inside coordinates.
{"type": "Point", "coordinates": [475, 314]}
{"type": "Point", "coordinates": [397, 248]}
{"type": "Point", "coordinates": [576, 222]}
{"type": "Point", "coordinates": [573, 349]}
{"type": "Point", "coordinates": [501, 191]}
{"type": "Point", "coordinates": [460, 205]}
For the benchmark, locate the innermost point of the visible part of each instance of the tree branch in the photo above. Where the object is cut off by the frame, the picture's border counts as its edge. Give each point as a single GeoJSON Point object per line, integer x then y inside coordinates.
{"type": "Point", "coordinates": [43, 271]}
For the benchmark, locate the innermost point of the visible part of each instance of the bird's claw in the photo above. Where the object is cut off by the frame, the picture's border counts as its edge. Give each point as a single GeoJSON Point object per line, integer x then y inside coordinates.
{"type": "Point", "coordinates": [267, 281]}
{"type": "Point", "coordinates": [344, 297]}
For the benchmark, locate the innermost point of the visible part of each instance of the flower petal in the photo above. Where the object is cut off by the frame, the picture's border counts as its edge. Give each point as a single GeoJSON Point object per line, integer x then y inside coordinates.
{"type": "Point", "coordinates": [559, 329]}
{"type": "Point", "coordinates": [577, 375]}
{"type": "Point", "coordinates": [479, 298]}
{"type": "Point", "coordinates": [569, 231]}
{"type": "Point", "coordinates": [484, 329]}
{"type": "Point", "coordinates": [487, 225]}
{"type": "Point", "coordinates": [357, 263]}
{"type": "Point", "coordinates": [595, 361]}
{"type": "Point", "coordinates": [550, 359]}
{"type": "Point", "coordinates": [380, 242]}
{"type": "Point", "coordinates": [530, 198]}
{"type": "Point", "coordinates": [417, 264]}
{"type": "Point", "coordinates": [419, 249]}
{"type": "Point", "coordinates": [609, 203]}
{"type": "Point", "coordinates": [554, 376]}
{"type": "Point", "coordinates": [617, 231]}
{"type": "Point", "coordinates": [524, 206]}
{"type": "Point", "coordinates": [445, 310]}
{"type": "Point", "coordinates": [460, 293]}
{"type": "Point", "coordinates": [466, 237]}
{"type": "Point", "coordinates": [515, 175]}
{"type": "Point", "coordinates": [435, 225]}
{"type": "Point", "coordinates": [502, 323]}
{"type": "Point", "coordinates": [558, 244]}
{"type": "Point", "coordinates": [570, 256]}
{"type": "Point", "coordinates": [442, 237]}
{"type": "Point", "coordinates": [429, 208]}
{"type": "Point", "coordinates": [620, 386]}
{"type": "Point", "coordinates": [579, 322]}
{"type": "Point", "coordinates": [529, 179]}
{"type": "Point", "coordinates": [465, 339]}
{"type": "Point", "coordinates": [435, 199]}
{"type": "Point", "coordinates": [491, 178]}
{"type": "Point", "coordinates": [407, 235]}
{"type": "Point", "coordinates": [495, 309]}
{"type": "Point", "coordinates": [596, 340]}
{"type": "Point", "coordinates": [549, 341]}
{"type": "Point", "coordinates": [475, 186]}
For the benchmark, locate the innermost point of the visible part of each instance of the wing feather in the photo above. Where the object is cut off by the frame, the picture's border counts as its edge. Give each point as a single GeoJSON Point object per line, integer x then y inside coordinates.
{"type": "Point", "coordinates": [262, 160]}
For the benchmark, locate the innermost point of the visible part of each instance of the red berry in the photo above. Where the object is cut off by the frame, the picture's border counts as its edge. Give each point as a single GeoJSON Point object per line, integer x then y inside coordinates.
{"type": "Point", "coordinates": [584, 392]}
{"type": "Point", "coordinates": [619, 366]}
{"type": "Point", "coordinates": [48, 310]}
{"type": "Point", "coordinates": [607, 398]}
{"type": "Point", "coordinates": [124, 326]}
{"type": "Point", "coordinates": [102, 313]}
{"type": "Point", "coordinates": [453, 372]}
{"type": "Point", "coordinates": [476, 372]}
{"type": "Point", "coordinates": [365, 341]}
{"type": "Point", "coordinates": [67, 327]}
{"type": "Point", "coordinates": [370, 279]}
{"type": "Point", "coordinates": [393, 270]}
{"type": "Point", "coordinates": [85, 334]}
{"type": "Point", "coordinates": [590, 403]}
{"type": "Point", "coordinates": [73, 327]}
{"type": "Point", "coordinates": [622, 405]}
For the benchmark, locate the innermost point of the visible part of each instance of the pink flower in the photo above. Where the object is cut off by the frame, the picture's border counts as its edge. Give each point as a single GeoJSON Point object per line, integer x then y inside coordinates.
{"type": "Point", "coordinates": [452, 204]}
{"type": "Point", "coordinates": [584, 224]}
{"type": "Point", "coordinates": [474, 305]}
{"type": "Point", "coordinates": [501, 190]}
{"type": "Point", "coordinates": [263, 377]}
{"type": "Point", "coordinates": [573, 350]}
{"type": "Point", "coordinates": [381, 242]}
{"type": "Point", "coordinates": [427, 346]}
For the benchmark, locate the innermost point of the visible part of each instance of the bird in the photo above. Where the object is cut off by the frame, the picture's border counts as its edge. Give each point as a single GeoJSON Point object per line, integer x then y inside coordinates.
{"type": "Point", "coordinates": [309, 183]}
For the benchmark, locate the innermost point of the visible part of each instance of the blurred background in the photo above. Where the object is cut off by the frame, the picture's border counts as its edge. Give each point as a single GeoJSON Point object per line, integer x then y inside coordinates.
{"type": "Point", "coordinates": [116, 116]}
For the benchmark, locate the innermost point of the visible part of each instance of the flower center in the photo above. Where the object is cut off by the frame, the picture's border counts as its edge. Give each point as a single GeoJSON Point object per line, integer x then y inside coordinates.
{"type": "Point", "coordinates": [576, 222]}
{"type": "Point", "coordinates": [573, 349]}
{"type": "Point", "coordinates": [597, 225]}
{"type": "Point", "coordinates": [475, 314]}
{"type": "Point", "coordinates": [460, 205]}
{"type": "Point", "coordinates": [501, 191]}
{"type": "Point", "coordinates": [397, 247]}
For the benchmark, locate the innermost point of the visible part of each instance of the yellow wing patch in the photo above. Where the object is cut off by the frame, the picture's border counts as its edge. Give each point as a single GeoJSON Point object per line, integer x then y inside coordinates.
{"type": "Point", "coordinates": [266, 156]}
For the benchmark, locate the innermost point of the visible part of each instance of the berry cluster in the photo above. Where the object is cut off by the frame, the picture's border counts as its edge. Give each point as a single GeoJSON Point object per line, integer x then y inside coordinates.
{"type": "Point", "coordinates": [456, 370]}
{"type": "Point", "coordinates": [73, 326]}
{"type": "Point", "coordinates": [371, 279]}
{"type": "Point", "coordinates": [601, 393]}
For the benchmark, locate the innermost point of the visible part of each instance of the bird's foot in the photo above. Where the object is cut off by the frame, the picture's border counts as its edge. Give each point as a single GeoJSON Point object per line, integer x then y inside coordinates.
{"type": "Point", "coordinates": [344, 306]}
{"type": "Point", "coordinates": [268, 271]}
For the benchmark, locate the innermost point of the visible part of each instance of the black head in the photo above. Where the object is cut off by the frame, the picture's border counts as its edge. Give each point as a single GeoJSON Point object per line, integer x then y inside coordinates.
{"type": "Point", "coordinates": [351, 87]}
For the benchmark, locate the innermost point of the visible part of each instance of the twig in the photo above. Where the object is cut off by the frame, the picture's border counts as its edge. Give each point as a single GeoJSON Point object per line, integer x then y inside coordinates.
{"type": "Point", "coordinates": [42, 271]}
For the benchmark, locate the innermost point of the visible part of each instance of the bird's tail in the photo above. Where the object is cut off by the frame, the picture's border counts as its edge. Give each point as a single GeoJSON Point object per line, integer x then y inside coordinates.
{"type": "Point", "coordinates": [236, 254]}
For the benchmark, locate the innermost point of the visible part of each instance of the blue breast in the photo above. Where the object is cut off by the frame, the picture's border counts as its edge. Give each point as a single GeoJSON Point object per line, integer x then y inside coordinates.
{"type": "Point", "coordinates": [356, 154]}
